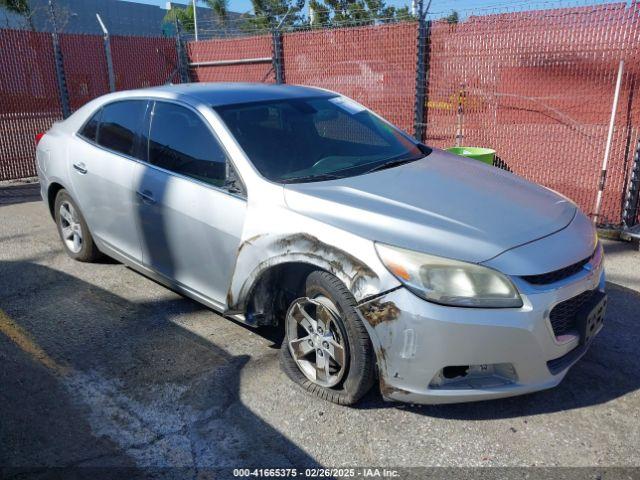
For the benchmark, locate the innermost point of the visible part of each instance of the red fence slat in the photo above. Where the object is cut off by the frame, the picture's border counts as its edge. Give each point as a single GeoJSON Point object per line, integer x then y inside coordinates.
{"type": "Point", "coordinates": [537, 86]}
{"type": "Point", "coordinates": [29, 100]}
{"type": "Point", "coordinates": [232, 49]}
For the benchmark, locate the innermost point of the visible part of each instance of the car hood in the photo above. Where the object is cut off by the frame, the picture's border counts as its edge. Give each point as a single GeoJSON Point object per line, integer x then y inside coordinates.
{"type": "Point", "coordinates": [443, 205]}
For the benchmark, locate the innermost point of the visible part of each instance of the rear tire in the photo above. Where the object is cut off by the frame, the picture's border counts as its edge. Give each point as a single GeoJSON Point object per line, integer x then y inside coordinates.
{"type": "Point", "coordinates": [328, 298]}
{"type": "Point", "coordinates": [73, 230]}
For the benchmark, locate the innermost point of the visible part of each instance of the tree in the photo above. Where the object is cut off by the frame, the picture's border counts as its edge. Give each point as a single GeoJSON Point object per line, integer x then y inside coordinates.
{"type": "Point", "coordinates": [452, 18]}
{"type": "Point", "coordinates": [186, 15]}
{"type": "Point", "coordinates": [183, 15]}
{"type": "Point", "coordinates": [358, 12]}
{"type": "Point", "coordinates": [21, 7]}
{"type": "Point", "coordinates": [220, 8]}
{"type": "Point", "coordinates": [270, 14]}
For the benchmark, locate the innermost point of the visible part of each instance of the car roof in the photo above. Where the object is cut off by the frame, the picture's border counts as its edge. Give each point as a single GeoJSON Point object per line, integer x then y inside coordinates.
{"type": "Point", "coordinates": [211, 94]}
{"type": "Point", "coordinates": [218, 94]}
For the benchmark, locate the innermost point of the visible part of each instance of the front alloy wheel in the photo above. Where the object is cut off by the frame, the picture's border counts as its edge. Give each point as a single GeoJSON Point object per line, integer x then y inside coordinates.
{"type": "Point", "coordinates": [326, 348]}
{"type": "Point", "coordinates": [315, 341]}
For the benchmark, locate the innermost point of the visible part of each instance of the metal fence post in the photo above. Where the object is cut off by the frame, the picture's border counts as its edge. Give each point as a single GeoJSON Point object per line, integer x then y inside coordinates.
{"type": "Point", "coordinates": [195, 19]}
{"type": "Point", "coordinates": [183, 61]}
{"type": "Point", "coordinates": [607, 148]}
{"type": "Point", "coordinates": [422, 73]}
{"type": "Point", "coordinates": [278, 64]}
{"type": "Point", "coordinates": [632, 198]}
{"type": "Point", "coordinates": [59, 64]}
{"type": "Point", "coordinates": [107, 52]}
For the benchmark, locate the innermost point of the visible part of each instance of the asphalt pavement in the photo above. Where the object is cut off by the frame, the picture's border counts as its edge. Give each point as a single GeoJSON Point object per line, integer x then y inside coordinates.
{"type": "Point", "coordinates": [100, 366]}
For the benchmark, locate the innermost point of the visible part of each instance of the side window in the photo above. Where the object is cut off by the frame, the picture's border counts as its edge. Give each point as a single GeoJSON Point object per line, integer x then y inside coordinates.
{"type": "Point", "coordinates": [119, 125]}
{"type": "Point", "coordinates": [179, 141]}
{"type": "Point", "coordinates": [90, 129]}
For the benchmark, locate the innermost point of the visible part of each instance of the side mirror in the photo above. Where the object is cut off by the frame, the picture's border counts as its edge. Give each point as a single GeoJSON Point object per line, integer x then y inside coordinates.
{"type": "Point", "coordinates": [424, 148]}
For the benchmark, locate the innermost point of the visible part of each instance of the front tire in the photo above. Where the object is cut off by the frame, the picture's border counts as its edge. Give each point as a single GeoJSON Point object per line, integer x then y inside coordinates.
{"type": "Point", "coordinates": [73, 230]}
{"type": "Point", "coordinates": [326, 348]}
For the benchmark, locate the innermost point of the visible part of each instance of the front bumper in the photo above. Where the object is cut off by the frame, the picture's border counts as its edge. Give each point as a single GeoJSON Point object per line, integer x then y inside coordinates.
{"type": "Point", "coordinates": [507, 350]}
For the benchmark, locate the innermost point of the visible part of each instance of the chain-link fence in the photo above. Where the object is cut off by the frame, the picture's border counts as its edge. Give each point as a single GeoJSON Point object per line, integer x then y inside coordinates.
{"type": "Point", "coordinates": [243, 59]}
{"type": "Point", "coordinates": [29, 99]}
{"type": "Point", "coordinates": [536, 85]}
{"type": "Point", "coordinates": [33, 93]}
{"type": "Point", "coordinates": [374, 65]}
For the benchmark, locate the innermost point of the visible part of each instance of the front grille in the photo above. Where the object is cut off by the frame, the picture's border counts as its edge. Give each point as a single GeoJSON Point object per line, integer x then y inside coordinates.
{"type": "Point", "coordinates": [563, 315]}
{"type": "Point", "coordinates": [557, 275]}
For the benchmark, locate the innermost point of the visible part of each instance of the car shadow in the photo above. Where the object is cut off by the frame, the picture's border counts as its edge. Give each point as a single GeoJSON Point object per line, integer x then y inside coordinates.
{"type": "Point", "coordinates": [93, 379]}
{"type": "Point", "coordinates": [617, 247]}
{"type": "Point", "coordinates": [609, 370]}
{"type": "Point", "coordinates": [19, 193]}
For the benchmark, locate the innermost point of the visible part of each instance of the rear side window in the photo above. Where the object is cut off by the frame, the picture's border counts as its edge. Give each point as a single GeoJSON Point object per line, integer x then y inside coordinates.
{"type": "Point", "coordinates": [90, 129]}
{"type": "Point", "coordinates": [119, 125]}
{"type": "Point", "coordinates": [180, 141]}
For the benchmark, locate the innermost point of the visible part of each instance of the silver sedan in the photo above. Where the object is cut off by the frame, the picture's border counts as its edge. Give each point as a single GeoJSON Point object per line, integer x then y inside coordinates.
{"type": "Point", "coordinates": [382, 259]}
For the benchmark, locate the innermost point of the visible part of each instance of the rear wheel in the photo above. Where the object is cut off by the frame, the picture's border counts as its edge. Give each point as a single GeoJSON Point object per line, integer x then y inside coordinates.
{"type": "Point", "coordinates": [73, 230]}
{"type": "Point", "coordinates": [326, 348]}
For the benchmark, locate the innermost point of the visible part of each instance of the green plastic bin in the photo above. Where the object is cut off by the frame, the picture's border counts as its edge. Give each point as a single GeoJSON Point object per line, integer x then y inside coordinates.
{"type": "Point", "coordinates": [485, 155]}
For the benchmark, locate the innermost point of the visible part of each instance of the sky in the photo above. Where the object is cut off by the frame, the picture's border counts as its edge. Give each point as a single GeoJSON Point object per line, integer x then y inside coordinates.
{"type": "Point", "coordinates": [436, 5]}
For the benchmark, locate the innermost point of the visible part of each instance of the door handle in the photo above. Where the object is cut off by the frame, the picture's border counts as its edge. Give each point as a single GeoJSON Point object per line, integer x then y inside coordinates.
{"type": "Point", "coordinates": [80, 167]}
{"type": "Point", "coordinates": [146, 196]}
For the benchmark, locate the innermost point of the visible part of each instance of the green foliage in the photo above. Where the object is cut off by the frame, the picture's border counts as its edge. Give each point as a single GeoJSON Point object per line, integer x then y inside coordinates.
{"type": "Point", "coordinates": [357, 12]}
{"type": "Point", "coordinates": [21, 7]}
{"type": "Point", "coordinates": [219, 7]}
{"type": "Point", "coordinates": [453, 17]}
{"type": "Point", "coordinates": [184, 17]}
{"type": "Point", "coordinates": [321, 13]}
{"type": "Point", "coordinates": [272, 13]}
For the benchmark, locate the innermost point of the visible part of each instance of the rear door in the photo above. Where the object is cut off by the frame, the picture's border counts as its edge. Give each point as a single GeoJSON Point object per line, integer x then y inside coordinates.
{"type": "Point", "coordinates": [191, 215]}
{"type": "Point", "coordinates": [103, 162]}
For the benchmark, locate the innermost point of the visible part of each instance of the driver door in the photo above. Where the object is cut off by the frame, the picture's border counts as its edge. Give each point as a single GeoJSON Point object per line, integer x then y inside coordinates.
{"type": "Point", "coordinates": [190, 222]}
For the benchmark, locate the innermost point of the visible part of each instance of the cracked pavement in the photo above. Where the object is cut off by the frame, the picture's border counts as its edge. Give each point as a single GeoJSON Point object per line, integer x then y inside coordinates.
{"type": "Point", "coordinates": [100, 366]}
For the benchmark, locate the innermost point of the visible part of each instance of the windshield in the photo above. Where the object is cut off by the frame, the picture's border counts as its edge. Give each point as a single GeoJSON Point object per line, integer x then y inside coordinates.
{"type": "Point", "coordinates": [313, 139]}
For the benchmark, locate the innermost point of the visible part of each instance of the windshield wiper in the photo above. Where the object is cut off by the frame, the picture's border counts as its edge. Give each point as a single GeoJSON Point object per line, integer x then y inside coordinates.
{"type": "Point", "coordinates": [392, 163]}
{"type": "Point", "coordinates": [311, 178]}
{"type": "Point", "coordinates": [389, 163]}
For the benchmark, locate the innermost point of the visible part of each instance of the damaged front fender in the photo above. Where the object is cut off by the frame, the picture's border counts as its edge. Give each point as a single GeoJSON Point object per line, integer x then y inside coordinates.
{"type": "Point", "coordinates": [259, 253]}
{"type": "Point", "coordinates": [389, 338]}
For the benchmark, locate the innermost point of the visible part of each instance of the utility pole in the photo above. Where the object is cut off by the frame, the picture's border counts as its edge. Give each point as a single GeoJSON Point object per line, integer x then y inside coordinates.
{"type": "Point", "coordinates": [59, 63]}
{"type": "Point", "coordinates": [195, 19]}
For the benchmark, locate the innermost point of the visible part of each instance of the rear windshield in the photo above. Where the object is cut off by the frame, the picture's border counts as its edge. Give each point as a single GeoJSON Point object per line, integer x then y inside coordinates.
{"type": "Point", "coordinates": [312, 139]}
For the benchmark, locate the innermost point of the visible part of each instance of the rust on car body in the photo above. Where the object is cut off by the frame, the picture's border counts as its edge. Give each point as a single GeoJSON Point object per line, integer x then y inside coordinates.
{"type": "Point", "coordinates": [376, 312]}
{"type": "Point", "coordinates": [388, 390]}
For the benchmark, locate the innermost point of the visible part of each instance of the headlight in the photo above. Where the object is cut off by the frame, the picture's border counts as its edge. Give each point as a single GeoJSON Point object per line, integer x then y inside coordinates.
{"type": "Point", "coordinates": [449, 282]}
